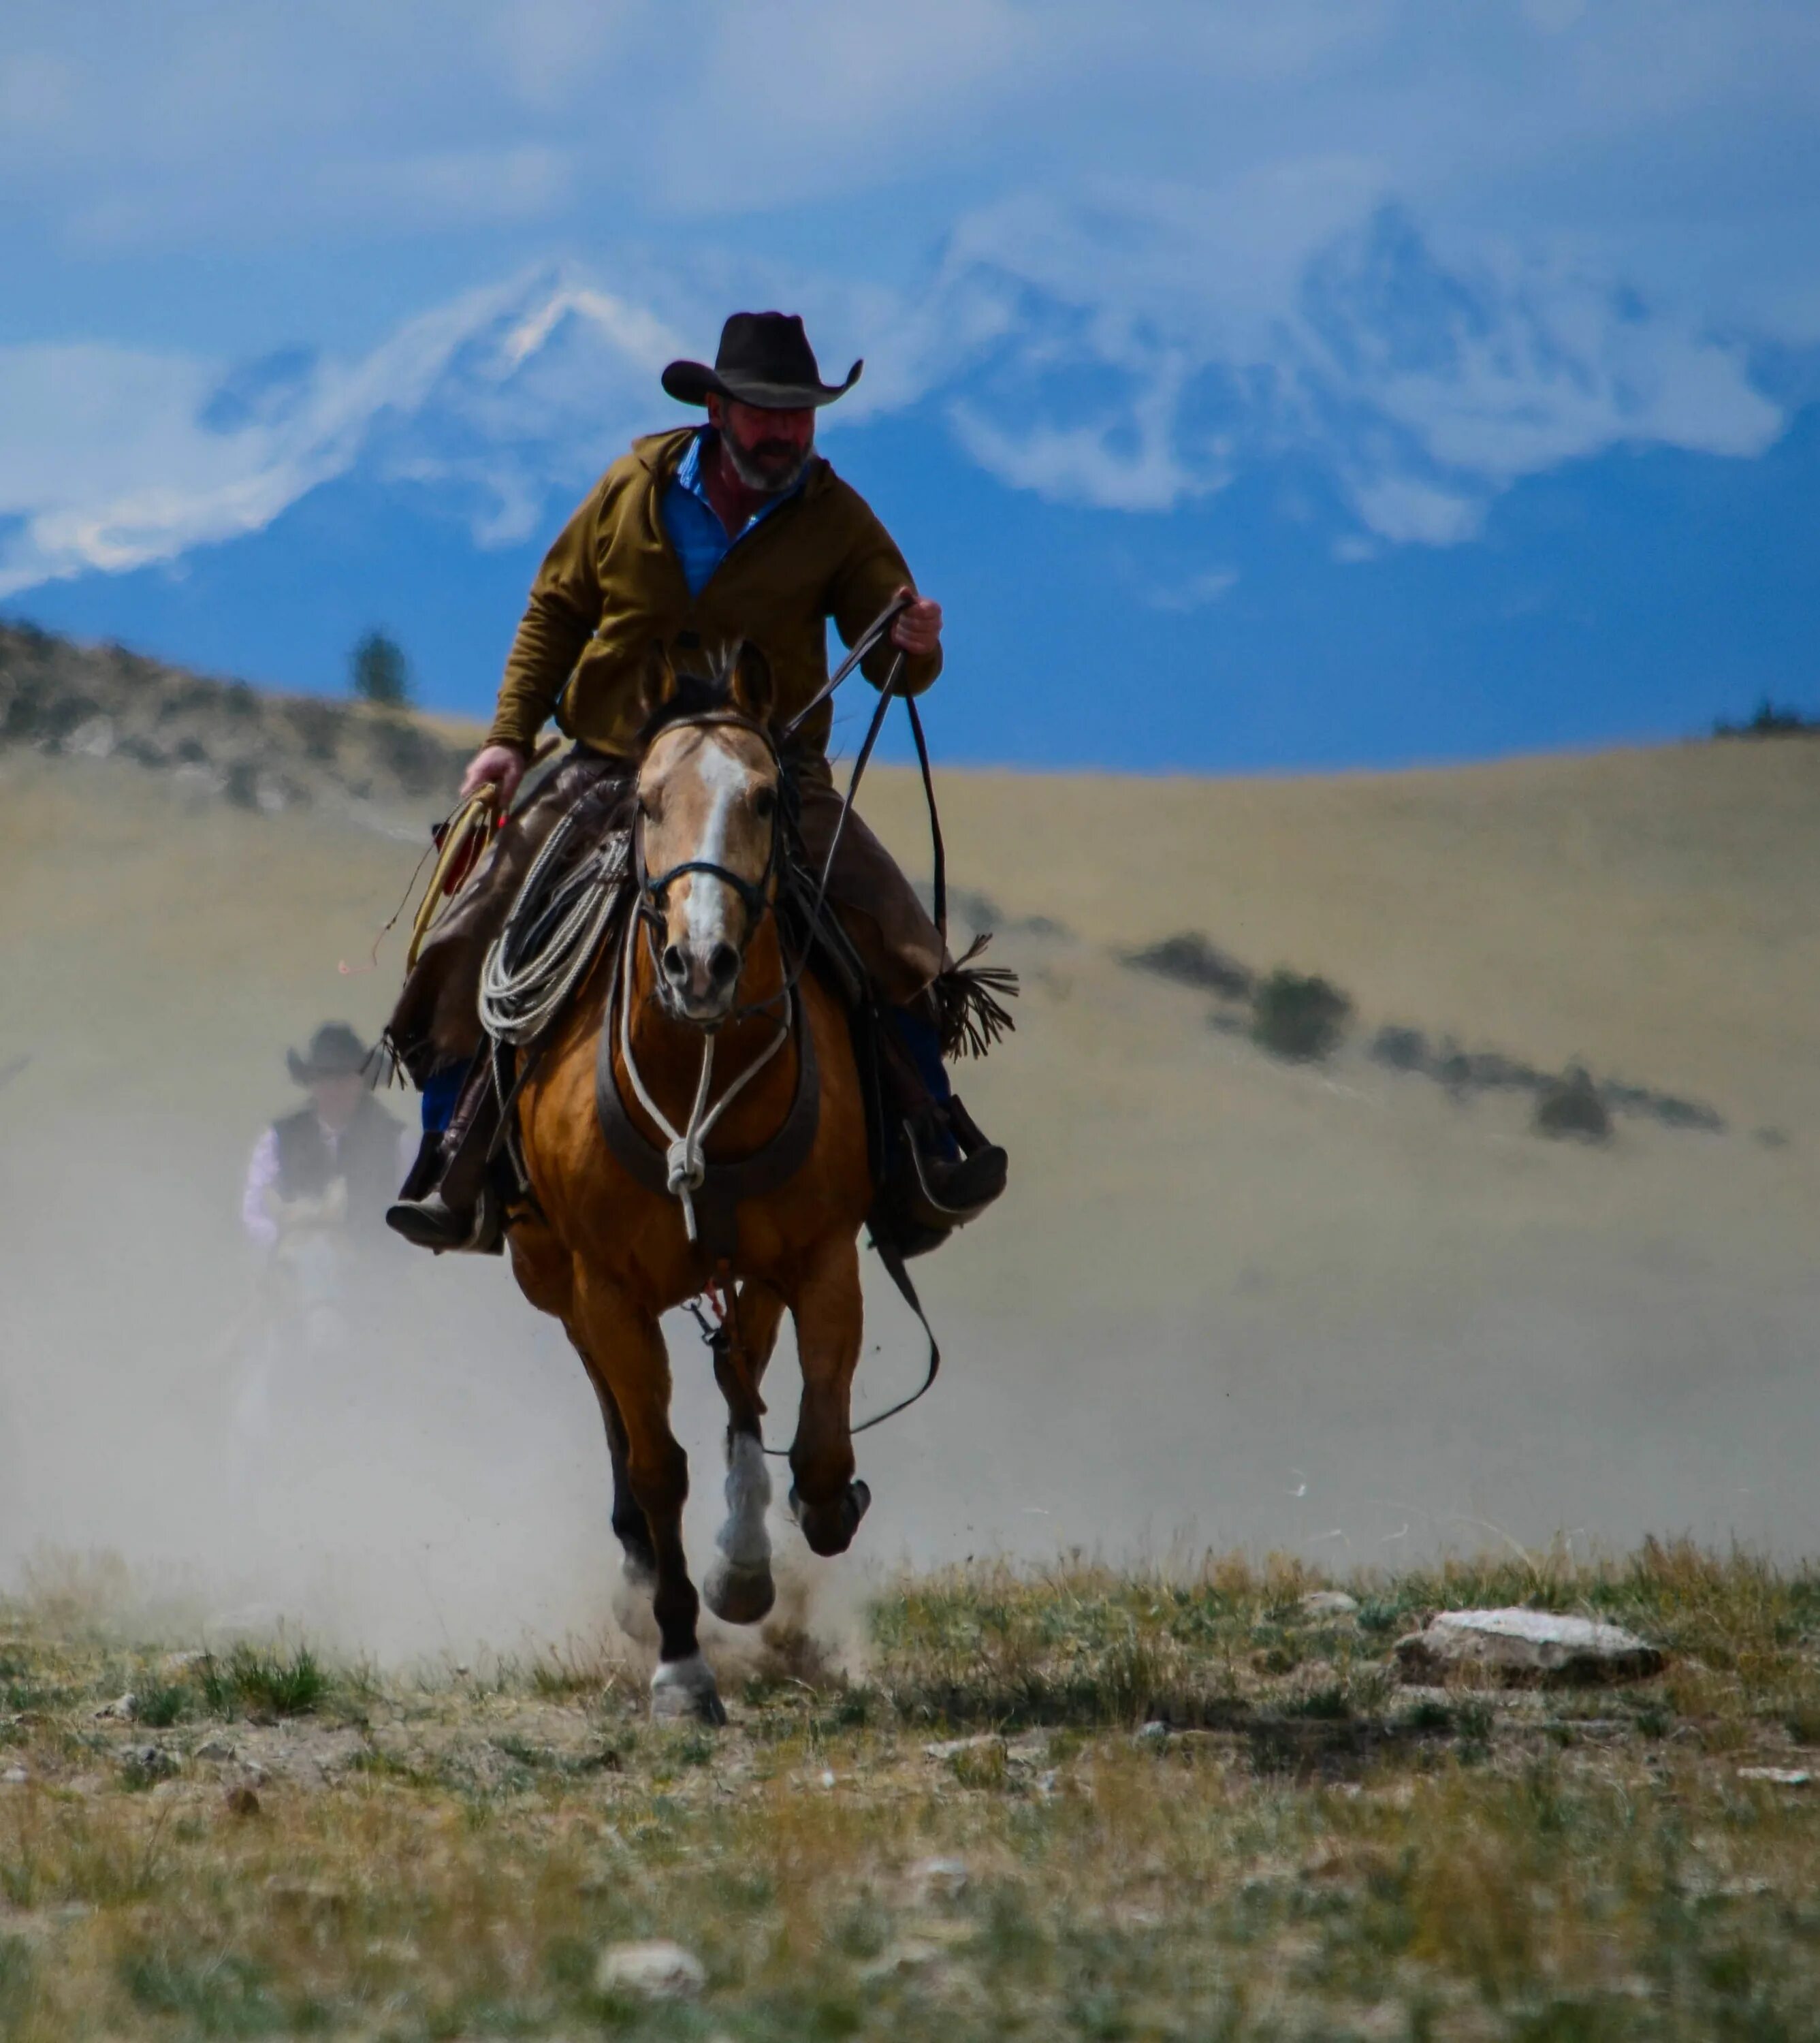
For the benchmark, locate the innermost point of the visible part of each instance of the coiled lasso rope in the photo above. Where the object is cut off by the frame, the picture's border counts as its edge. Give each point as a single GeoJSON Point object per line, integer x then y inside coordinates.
{"type": "Point", "coordinates": [541, 955]}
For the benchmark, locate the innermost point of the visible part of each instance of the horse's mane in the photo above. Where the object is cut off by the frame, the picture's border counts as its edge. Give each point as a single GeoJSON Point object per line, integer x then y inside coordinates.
{"type": "Point", "coordinates": [711, 694]}
{"type": "Point", "coordinates": [696, 695]}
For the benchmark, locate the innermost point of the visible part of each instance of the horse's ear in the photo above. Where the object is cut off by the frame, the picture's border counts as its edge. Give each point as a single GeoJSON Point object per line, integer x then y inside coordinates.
{"type": "Point", "coordinates": [657, 684]}
{"type": "Point", "coordinates": [753, 691]}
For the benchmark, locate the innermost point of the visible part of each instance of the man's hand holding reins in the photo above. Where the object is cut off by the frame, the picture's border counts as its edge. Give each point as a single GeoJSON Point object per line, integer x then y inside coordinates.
{"type": "Point", "coordinates": [500, 766]}
{"type": "Point", "coordinates": [918, 628]}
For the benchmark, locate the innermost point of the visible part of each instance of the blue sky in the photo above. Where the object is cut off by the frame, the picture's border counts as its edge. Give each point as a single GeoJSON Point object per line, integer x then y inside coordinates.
{"type": "Point", "coordinates": [1261, 388]}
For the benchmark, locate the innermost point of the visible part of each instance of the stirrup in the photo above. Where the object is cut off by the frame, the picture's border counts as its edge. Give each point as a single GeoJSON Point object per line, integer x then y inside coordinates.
{"type": "Point", "coordinates": [948, 1195]}
{"type": "Point", "coordinates": [431, 1222]}
{"type": "Point", "coordinates": [926, 1197]}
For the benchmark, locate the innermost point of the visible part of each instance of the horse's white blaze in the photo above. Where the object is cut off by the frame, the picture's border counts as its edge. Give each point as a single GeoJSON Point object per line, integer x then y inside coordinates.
{"type": "Point", "coordinates": [710, 900]}
{"type": "Point", "coordinates": [743, 1538]}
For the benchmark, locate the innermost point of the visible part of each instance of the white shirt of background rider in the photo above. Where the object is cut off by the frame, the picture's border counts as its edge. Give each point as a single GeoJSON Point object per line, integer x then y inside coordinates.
{"type": "Point", "coordinates": [336, 1100]}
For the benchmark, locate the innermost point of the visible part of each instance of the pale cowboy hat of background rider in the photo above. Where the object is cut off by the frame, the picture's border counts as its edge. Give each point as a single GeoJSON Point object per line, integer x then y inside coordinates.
{"type": "Point", "coordinates": [765, 361]}
{"type": "Point", "coordinates": [335, 1051]}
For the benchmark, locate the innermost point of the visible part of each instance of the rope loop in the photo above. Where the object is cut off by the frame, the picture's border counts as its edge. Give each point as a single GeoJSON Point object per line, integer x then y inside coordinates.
{"type": "Point", "coordinates": [685, 1159]}
{"type": "Point", "coordinates": [685, 1165]}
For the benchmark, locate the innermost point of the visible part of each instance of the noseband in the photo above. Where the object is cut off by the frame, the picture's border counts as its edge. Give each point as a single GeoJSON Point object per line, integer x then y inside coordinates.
{"type": "Point", "coordinates": [755, 894]}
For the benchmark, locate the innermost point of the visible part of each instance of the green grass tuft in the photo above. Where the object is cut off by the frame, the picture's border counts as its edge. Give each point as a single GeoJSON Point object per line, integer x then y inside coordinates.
{"type": "Point", "coordinates": [274, 1681]}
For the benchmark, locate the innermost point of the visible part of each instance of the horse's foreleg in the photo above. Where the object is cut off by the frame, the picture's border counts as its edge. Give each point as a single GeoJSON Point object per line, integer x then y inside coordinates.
{"type": "Point", "coordinates": [827, 1502]}
{"type": "Point", "coordinates": [545, 1274]}
{"type": "Point", "coordinates": [630, 1527]}
{"type": "Point", "coordinates": [623, 1345]}
{"type": "Point", "coordinates": [738, 1587]}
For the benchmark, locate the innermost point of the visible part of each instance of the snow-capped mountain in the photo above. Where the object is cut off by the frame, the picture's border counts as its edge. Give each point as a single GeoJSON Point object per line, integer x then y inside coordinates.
{"type": "Point", "coordinates": [1230, 469]}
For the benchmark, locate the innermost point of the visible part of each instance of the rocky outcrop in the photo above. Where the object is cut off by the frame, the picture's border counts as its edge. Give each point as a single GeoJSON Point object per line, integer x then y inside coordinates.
{"type": "Point", "coordinates": [1526, 1646]}
{"type": "Point", "coordinates": [222, 740]}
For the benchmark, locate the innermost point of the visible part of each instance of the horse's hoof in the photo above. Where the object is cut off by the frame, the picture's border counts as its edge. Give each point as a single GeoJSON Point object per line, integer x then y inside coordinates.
{"type": "Point", "coordinates": [738, 1595]}
{"type": "Point", "coordinates": [829, 1527]}
{"type": "Point", "coordinates": [682, 1689]}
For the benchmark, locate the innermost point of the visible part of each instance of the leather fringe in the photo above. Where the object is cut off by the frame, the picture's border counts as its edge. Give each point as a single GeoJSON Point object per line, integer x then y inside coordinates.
{"type": "Point", "coordinates": [969, 1000]}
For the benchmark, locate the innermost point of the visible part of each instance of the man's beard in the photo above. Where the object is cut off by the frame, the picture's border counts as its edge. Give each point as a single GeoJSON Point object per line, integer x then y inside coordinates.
{"type": "Point", "coordinates": [768, 467]}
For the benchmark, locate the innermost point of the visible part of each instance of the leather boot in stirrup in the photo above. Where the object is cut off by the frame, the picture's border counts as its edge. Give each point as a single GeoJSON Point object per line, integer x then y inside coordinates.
{"type": "Point", "coordinates": [948, 1174]}
{"type": "Point", "coordinates": [450, 1203]}
{"type": "Point", "coordinates": [431, 1222]}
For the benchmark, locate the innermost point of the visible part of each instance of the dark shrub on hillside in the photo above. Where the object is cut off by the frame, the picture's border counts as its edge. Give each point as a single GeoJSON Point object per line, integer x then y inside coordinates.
{"type": "Point", "coordinates": [417, 761]}
{"type": "Point", "coordinates": [1403, 1050]}
{"type": "Point", "coordinates": [319, 724]}
{"type": "Point", "coordinates": [1667, 1108]}
{"type": "Point", "coordinates": [1297, 1016]}
{"type": "Point", "coordinates": [1571, 1106]}
{"type": "Point", "coordinates": [1772, 720]}
{"type": "Point", "coordinates": [1190, 959]}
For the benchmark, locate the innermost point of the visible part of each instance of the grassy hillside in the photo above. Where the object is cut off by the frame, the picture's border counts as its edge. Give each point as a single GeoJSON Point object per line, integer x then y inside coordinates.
{"type": "Point", "coordinates": [1228, 1296]}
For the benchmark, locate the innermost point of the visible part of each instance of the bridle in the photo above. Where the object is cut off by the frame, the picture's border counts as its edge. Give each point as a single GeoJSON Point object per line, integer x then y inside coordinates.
{"type": "Point", "coordinates": [758, 896]}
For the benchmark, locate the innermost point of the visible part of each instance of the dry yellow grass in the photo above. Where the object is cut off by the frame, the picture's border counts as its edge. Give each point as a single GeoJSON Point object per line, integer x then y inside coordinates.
{"type": "Point", "coordinates": [1329, 1309]}
{"type": "Point", "coordinates": [1337, 1856]}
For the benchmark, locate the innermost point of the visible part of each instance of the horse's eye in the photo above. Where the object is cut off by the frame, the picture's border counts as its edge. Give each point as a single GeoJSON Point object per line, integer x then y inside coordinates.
{"type": "Point", "coordinates": [765, 804]}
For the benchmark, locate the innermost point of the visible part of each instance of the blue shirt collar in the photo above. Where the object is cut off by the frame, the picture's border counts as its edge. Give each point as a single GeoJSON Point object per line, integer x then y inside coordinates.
{"type": "Point", "coordinates": [689, 468]}
{"type": "Point", "coordinates": [689, 474]}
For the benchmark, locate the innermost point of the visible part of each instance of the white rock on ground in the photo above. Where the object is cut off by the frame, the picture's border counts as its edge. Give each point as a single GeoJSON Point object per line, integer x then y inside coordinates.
{"type": "Point", "coordinates": [1527, 1644]}
{"type": "Point", "coordinates": [657, 1971]}
{"type": "Point", "coordinates": [939, 1879]}
{"type": "Point", "coordinates": [1781, 1777]}
{"type": "Point", "coordinates": [952, 1748]}
{"type": "Point", "coordinates": [1329, 1603]}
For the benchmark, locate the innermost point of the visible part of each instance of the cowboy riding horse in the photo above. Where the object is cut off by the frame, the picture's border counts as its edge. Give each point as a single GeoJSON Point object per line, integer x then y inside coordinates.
{"type": "Point", "coordinates": [730, 905]}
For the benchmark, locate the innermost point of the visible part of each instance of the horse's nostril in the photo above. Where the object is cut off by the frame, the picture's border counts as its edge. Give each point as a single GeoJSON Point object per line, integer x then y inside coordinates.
{"type": "Point", "coordinates": [675, 965]}
{"type": "Point", "coordinates": [723, 964]}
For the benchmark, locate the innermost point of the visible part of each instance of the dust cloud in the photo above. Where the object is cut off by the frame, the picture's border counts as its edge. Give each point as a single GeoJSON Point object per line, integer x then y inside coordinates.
{"type": "Point", "coordinates": [429, 1480]}
{"type": "Point", "coordinates": [1227, 1302]}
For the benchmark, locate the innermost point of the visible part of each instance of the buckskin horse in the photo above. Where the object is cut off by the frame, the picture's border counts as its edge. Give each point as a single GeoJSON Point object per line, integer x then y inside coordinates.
{"type": "Point", "coordinates": [695, 1042]}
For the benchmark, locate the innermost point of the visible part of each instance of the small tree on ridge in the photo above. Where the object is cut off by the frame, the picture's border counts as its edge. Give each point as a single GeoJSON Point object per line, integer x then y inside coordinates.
{"type": "Point", "coordinates": [378, 671]}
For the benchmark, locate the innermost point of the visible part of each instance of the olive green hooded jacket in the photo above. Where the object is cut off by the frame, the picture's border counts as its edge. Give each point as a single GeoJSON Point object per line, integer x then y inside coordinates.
{"type": "Point", "coordinates": [613, 585]}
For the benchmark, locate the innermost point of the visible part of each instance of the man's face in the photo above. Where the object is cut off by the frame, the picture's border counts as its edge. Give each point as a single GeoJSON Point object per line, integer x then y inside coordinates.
{"type": "Point", "coordinates": [335, 1099]}
{"type": "Point", "coordinates": [768, 450]}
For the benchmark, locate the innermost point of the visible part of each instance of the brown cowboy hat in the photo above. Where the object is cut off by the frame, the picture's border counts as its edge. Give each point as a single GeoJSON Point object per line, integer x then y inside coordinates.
{"type": "Point", "coordinates": [335, 1051]}
{"type": "Point", "coordinates": [765, 359]}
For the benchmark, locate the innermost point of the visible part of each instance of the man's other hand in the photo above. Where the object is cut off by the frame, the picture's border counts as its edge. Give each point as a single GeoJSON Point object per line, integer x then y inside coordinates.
{"type": "Point", "coordinates": [918, 628]}
{"type": "Point", "coordinates": [500, 766]}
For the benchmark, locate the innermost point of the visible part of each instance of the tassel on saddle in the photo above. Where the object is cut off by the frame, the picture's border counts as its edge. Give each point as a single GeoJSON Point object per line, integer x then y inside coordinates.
{"type": "Point", "coordinates": [970, 1003]}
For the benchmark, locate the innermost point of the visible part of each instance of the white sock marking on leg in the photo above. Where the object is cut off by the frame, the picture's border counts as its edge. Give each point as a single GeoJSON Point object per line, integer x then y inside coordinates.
{"type": "Point", "coordinates": [743, 1538]}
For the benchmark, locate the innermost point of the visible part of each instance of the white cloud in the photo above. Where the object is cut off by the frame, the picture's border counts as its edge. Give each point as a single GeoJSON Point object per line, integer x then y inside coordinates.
{"type": "Point", "coordinates": [1404, 510]}
{"type": "Point", "coordinates": [522, 181]}
{"type": "Point", "coordinates": [1196, 592]}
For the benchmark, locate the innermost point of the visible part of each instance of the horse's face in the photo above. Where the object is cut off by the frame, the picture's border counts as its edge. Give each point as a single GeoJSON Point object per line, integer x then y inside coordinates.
{"type": "Point", "coordinates": [707, 797]}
